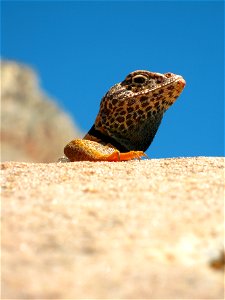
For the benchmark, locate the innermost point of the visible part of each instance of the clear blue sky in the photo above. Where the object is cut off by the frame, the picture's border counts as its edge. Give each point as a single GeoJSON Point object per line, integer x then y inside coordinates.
{"type": "Point", "coordinates": [80, 49]}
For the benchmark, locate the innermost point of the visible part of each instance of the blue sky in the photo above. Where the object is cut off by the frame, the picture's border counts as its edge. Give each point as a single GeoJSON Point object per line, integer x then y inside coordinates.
{"type": "Point", "coordinates": [80, 49]}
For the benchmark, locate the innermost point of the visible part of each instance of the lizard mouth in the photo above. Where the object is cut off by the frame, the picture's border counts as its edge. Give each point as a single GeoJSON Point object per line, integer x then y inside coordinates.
{"type": "Point", "coordinates": [174, 82]}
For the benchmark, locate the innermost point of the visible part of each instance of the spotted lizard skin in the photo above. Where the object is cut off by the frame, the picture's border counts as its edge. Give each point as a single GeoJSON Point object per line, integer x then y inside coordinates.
{"type": "Point", "coordinates": [129, 116]}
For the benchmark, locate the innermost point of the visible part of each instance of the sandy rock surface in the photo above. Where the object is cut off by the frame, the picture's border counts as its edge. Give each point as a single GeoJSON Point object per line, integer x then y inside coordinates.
{"type": "Point", "coordinates": [150, 229]}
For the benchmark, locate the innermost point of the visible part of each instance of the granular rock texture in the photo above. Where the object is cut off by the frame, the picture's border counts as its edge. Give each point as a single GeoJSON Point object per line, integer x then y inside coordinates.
{"type": "Point", "coordinates": [33, 128]}
{"type": "Point", "coordinates": [150, 229]}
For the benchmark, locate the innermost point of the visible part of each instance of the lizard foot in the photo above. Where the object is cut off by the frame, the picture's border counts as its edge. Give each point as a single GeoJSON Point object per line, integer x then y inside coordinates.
{"type": "Point", "coordinates": [80, 149]}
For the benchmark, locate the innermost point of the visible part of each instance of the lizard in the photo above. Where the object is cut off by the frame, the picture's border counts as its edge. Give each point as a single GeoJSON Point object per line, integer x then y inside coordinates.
{"type": "Point", "coordinates": [129, 116]}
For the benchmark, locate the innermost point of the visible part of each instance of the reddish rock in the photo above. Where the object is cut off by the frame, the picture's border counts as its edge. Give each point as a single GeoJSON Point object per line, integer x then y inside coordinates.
{"type": "Point", "coordinates": [33, 127]}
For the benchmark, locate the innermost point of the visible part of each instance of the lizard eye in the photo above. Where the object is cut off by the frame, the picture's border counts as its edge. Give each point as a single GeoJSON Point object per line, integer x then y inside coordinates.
{"type": "Point", "coordinates": [139, 79]}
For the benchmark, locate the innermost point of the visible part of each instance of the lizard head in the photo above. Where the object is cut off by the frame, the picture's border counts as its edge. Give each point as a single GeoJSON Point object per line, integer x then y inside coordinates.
{"type": "Point", "coordinates": [131, 111]}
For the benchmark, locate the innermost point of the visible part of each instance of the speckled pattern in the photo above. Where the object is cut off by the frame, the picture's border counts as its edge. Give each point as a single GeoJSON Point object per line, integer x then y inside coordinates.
{"type": "Point", "coordinates": [140, 97]}
{"type": "Point", "coordinates": [129, 116]}
{"type": "Point", "coordinates": [81, 150]}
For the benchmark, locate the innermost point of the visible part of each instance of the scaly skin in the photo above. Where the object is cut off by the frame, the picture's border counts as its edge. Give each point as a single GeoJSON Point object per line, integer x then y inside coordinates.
{"type": "Point", "coordinates": [129, 116]}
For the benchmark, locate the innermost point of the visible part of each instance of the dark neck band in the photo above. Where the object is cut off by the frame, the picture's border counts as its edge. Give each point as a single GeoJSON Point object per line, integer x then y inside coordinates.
{"type": "Point", "coordinates": [107, 139]}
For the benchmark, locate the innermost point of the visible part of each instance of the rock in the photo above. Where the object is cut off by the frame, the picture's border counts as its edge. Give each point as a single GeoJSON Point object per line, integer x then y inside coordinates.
{"type": "Point", "coordinates": [150, 229]}
{"type": "Point", "coordinates": [34, 128]}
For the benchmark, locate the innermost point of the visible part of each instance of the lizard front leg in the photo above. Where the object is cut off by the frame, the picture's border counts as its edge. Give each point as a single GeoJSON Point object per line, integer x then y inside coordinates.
{"type": "Point", "coordinates": [81, 149]}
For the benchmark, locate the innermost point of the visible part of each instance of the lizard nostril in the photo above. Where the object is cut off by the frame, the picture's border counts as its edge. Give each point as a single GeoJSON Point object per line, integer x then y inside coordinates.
{"type": "Point", "coordinates": [168, 75]}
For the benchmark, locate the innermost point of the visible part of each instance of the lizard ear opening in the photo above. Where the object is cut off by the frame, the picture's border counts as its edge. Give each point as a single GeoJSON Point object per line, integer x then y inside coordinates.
{"type": "Point", "coordinates": [139, 80]}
